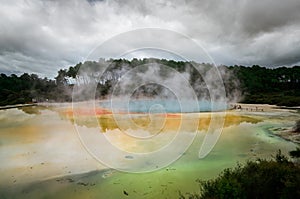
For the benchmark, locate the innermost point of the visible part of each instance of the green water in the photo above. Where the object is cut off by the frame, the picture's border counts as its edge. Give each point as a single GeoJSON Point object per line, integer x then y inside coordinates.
{"type": "Point", "coordinates": [238, 143]}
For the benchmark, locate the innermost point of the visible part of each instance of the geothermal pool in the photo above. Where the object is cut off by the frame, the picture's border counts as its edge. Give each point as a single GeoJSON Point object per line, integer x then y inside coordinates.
{"type": "Point", "coordinates": [42, 156]}
{"type": "Point", "coordinates": [161, 105]}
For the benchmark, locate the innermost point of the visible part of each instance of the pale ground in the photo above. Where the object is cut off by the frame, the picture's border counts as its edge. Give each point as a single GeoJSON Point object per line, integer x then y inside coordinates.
{"type": "Point", "coordinates": [259, 108]}
{"type": "Point", "coordinates": [37, 147]}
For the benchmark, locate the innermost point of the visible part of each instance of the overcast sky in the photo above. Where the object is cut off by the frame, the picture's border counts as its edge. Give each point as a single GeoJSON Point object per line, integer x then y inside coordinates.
{"type": "Point", "coordinates": [42, 36]}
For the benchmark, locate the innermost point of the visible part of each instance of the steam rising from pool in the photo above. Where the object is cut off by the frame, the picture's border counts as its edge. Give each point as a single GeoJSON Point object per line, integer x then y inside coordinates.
{"type": "Point", "coordinates": [163, 106]}
{"type": "Point", "coordinates": [150, 86]}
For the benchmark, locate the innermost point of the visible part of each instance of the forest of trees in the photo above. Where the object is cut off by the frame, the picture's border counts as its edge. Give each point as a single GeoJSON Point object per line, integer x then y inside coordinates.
{"type": "Point", "coordinates": [280, 86]}
{"type": "Point", "coordinates": [256, 84]}
{"type": "Point", "coordinates": [30, 88]}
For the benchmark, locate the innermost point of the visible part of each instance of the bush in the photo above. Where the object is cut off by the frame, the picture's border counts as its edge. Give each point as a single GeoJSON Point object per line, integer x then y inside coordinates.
{"type": "Point", "coordinates": [295, 153]}
{"type": "Point", "coordinates": [260, 179]}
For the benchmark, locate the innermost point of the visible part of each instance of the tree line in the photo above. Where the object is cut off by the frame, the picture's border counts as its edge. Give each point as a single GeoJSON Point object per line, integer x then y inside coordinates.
{"type": "Point", "coordinates": [256, 84]}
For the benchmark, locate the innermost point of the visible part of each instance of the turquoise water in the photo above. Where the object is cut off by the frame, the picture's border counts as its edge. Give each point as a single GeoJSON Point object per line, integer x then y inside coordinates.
{"type": "Point", "coordinates": [163, 106]}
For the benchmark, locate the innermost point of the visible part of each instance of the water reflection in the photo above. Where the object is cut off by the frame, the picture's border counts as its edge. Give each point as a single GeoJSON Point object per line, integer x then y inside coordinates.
{"type": "Point", "coordinates": [36, 110]}
{"type": "Point", "coordinates": [104, 119]}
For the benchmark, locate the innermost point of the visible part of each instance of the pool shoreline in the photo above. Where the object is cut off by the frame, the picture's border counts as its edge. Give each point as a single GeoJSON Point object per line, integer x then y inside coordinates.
{"type": "Point", "coordinates": [17, 106]}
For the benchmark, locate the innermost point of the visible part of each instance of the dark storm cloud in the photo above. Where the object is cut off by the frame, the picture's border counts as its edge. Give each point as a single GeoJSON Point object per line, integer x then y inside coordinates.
{"type": "Point", "coordinates": [249, 32]}
{"type": "Point", "coordinates": [44, 36]}
{"type": "Point", "coordinates": [269, 15]}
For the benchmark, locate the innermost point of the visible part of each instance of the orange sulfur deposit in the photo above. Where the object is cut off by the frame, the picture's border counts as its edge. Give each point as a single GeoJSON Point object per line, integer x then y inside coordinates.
{"type": "Point", "coordinates": [106, 120]}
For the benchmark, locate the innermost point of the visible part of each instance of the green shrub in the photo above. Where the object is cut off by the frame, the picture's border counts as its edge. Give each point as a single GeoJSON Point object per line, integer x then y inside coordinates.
{"type": "Point", "coordinates": [278, 178]}
{"type": "Point", "coordinates": [295, 153]}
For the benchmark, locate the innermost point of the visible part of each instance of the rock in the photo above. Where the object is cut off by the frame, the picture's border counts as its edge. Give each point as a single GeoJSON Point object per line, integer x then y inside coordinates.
{"type": "Point", "coordinates": [129, 157]}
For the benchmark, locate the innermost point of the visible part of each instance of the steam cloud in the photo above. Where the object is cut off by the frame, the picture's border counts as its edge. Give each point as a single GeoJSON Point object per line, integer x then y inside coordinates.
{"type": "Point", "coordinates": [153, 80]}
